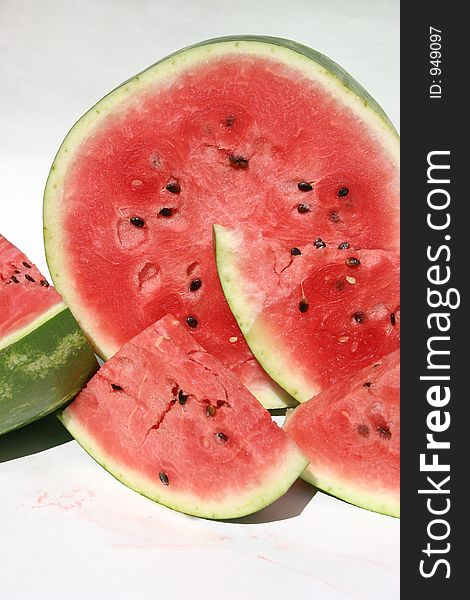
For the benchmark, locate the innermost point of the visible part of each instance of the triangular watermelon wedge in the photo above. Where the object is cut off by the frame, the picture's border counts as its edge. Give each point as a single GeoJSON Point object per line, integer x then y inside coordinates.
{"type": "Point", "coordinates": [311, 314]}
{"type": "Point", "coordinates": [351, 435]}
{"type": "Point", "coordinates": [171, 422]}
{"type": "Point", "coordinates": [45, 359]}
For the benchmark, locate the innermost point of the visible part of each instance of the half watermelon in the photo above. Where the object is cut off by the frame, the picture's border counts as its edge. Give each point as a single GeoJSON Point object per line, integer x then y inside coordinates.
{"type": "Point", "coordinates": [311, 314]}
{"type": "Point", "coordinates": [238, 130]}
{"type": "Point", "coordinates": [351, 436]}
{"type": "Point", "coordinates": [45, 359]}
{"type": "Point", "coordinates": [170, 421]}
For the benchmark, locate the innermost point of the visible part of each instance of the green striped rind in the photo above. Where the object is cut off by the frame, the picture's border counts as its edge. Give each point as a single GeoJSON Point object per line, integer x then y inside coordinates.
{"type": "Point", "coordinates": [381, 501]}
{"type": "Point", "coordinates": [309, 63]}
{"type": "Point", "coordinates": [246, 300]}
{"type": "Point", "coordinates": [239, 503]}
{"type": "Point", "coordinates": [43, 370]}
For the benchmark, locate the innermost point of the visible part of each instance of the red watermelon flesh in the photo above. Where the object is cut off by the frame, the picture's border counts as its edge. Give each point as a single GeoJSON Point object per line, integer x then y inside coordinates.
{"type": "Point", "coordinates": [220, 133]}
{"type": "Point", "coordinates": [25, 295]}
{"type": "Point", "coordinates": [311, 314]}
{"type": "Point", "coordinates": [351, 435]}
{"type": "Point", "coordinates": [170, 421]}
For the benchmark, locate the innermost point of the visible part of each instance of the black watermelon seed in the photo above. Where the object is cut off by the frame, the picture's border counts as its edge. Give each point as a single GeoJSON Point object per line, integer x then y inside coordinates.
{"type": "Point", "coordinates": [195, 284]}
{"type": "Point", "coordinates": [229, 121]}
{"type": "Point", "coordinates": [343, 191]}
{"type": "Point", "coordinates": [305, 186]}
{"type": "Point", "coordinates": [174, 187]}
{"type": "Point", "coordinates": [27, 265]}
{"type": "Point", "coordinates": [384, 432]}
{"type": "Point", "coordinates": [352, 261]}
{"type": "Point", "coordinates": [166, 212]}
{"type": "Point", "coordinates": [334, 216]}
{"type": "Point", "coordinates": [303, 305]}
{"type": "Point", "coordinates": [192, 322]}
{"type": "Point", "coordinates": [359, 316]}
{"type": "Point", "coordinates": [363, 430]}
{"type": "Point", "coordinates": [210, 410]}
{"type": "Point", "coordinates": [303, 208]}
{"type": "Point", "coordinates": [13, 278]}
{"type": "Point", "coordinates": [222, 437]}
{"type": "Point", "coordinates": [116, 387]}
{"type": "Point", "coordinates": [392, 318]}
{"type": "Point", "coordinates": [367, 383]}
{"type": "Point", "coordinates": [182, 397]}
{"type": "Point", "coordinates": [164, 478]}
{"type": "Point", "coordinates": [339, 285]}
{"type": "Point", "coordinates": [343, 246]}
{"type": "Point", "coordinates": [137, 221]}
{"type": "Point", "coordinates": [319, 243]}
{"type": "Point", "coordinates": [44, 283]}
{"type": "Point", "coordinates": [239, 162]}
{"type": "Point", "coordinates": [29, 278]}
{"type": "Point", "coordinates": [17, 271]}
{"type": "Point", "coordinates": [295, 251]}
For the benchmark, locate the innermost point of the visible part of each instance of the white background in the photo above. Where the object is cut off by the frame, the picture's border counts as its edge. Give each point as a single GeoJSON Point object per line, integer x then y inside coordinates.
{"type": "Point", "coordinates": [68, 530]}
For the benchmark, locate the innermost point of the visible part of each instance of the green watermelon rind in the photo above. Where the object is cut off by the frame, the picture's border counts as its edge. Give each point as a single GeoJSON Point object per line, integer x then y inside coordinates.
{"type": "Point", "coordinates": [383, 502]}
{"type": "Point", "coordinates": [43, 369]}
{"type": "Point", "coordinates": [310, 62]}
{"type": "Point", "coordinates": [245, 307]}
{"type": "Point", "coordinates": [240, 503]}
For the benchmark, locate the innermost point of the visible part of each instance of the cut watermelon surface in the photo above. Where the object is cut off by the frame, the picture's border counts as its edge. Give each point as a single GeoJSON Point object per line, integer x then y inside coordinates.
{"type": "Point", "coordinates": [170, 421]}
{"type": "Point", "coordinates": [44, 358]}
{"type": "Point", "coordinates": [351, 436]}
{"type": "Point", "coordinates": [311, 314]}
{"type": "Point", "coordinates": [247, 130]}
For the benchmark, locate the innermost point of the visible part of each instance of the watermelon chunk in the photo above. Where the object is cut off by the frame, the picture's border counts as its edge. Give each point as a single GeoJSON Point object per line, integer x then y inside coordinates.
{"type": "Point", "coordinates": [44, 358]}
{"type": "Point", "coordinates": [311, 314]}
{"type": "Point", "coordinates": [351, 435]}
{"type": "Point", "coordinates": [170, 421]}
{"type": "Point", "coordinates": [248, 129]}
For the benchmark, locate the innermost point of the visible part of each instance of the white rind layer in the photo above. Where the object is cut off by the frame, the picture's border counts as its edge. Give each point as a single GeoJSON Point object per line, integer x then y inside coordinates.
{"type": "Point", "coordinates": [236, 504]}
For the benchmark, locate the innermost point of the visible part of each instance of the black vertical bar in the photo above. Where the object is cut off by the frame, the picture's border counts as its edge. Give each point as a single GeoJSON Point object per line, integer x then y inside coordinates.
{"type": "Point", "coordinates": [434, 120]}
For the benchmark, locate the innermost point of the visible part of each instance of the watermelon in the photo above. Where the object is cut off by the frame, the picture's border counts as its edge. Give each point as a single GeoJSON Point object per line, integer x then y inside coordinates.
{"type": "Point", "coordinates": [351, 435]}
{"type": "Point", "coordinates": [246, 129]}
{"type": "Point", "coordinates": [45, 359]}
{"type": "Point", "coordinates": [311, 314]}
{"type": "Point", "coordinates": [170, 421]}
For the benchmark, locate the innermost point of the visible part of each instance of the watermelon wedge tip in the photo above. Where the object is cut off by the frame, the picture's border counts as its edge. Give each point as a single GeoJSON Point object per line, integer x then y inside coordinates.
{"type": "Point", "coordinates": [171, 422]}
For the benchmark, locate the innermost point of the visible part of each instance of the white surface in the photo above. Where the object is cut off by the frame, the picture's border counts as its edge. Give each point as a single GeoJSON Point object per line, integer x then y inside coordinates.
{"type": "Point", "coordinates": [67, 529]}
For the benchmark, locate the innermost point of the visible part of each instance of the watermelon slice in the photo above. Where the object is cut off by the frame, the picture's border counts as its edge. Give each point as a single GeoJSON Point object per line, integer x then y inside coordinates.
{"type": "Point", "coordinates": [233, 130]}
{"type": "Point", "coordinates": [351, 435]}
{"type": "Point", "coordinates": [45, 359]}
{"type": "Point", "coordinates": [312, 314]}
{"type": "Point", "coordinates": [170, 421]}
